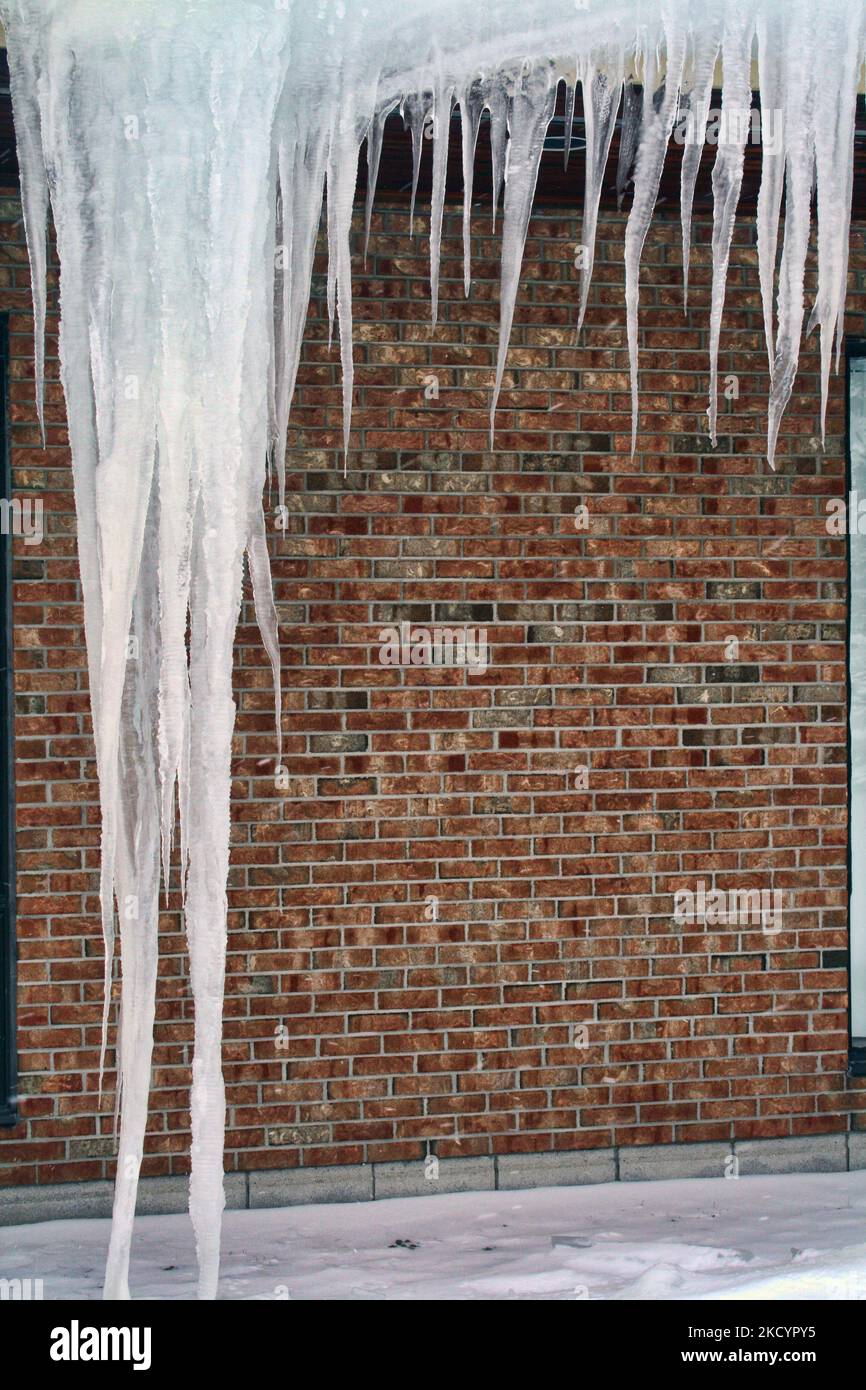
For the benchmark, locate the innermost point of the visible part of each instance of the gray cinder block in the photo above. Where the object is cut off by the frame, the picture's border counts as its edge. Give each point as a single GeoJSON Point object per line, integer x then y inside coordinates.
{"type": "Point", "coordinates": [60, 1201]}
{"type": "Point", "coordinates": [799, 1153]}
{"type": "Point", "coordinates": [70, 1201]}
{"type": "Point", "coordinates": [857, 1150]}
{"type": "Point", "coordinates": [451, 1175]}
{"type": "Point", "coordinates": [572, 1169]}
{"type": "Point", "coordinates": [291, 1187]}
{"type": "Point", "coordinates": [657, 1162]}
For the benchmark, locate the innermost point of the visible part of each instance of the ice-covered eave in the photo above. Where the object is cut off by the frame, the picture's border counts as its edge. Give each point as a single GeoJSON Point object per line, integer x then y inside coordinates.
{"type": "Point", "coordinates": [677, 53]}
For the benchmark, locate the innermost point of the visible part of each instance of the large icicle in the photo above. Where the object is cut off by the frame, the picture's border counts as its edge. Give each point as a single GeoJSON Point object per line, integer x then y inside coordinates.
{"type": "Point", "coordinates": [137, 883]}
{"type": "Point", "coordinates": [164, 353]}
{"type": "Point", "coordinates": [531, 110]}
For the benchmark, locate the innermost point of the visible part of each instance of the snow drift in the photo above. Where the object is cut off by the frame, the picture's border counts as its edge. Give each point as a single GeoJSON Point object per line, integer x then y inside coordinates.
{"type": "Point", "coordinates": [184, 148]}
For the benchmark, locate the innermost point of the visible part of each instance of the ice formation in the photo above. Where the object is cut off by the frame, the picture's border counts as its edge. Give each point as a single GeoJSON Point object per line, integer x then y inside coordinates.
{"type": "Point", "coordinates": [185, 147]}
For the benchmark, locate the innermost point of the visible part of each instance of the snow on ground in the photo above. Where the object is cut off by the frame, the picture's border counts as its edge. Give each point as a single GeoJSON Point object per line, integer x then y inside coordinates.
{"type": "Point", "coordinates": [797, 1237]}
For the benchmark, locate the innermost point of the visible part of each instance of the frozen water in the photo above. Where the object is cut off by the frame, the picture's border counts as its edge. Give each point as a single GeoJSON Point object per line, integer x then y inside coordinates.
{"type": "Point", "coordinates": [186, 147]}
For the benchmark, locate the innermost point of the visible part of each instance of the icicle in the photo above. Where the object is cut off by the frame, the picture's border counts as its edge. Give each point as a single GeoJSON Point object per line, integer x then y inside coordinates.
{"type": "Point", "coordinates": [164, 361]}
{"type": "Point", "coordinates": [601, 97]}
{"type": "Point", "coordinates": [302, 158]}
{"type": "Point", "coordinates": [734, 130]}
{"type": "Point", "coordinates": [25, 81]}
{"type": "Point", "coordinates": [375, 134]}
{"type": "Point", "coordinates": [123, 409]}
{"type": "Point", "coordinates": [138, 897]}
{"type": "Point", "coordinates": [770, 38]}
{"type": "Point", "coordinates": [333, 236]}
{"type": "Point", "coordinates": [531, 112]}
{"type": "Point", "coordinates": [417, 112]}
{"type": "Point", "coordinates": [472, 103]}
{"type": "Point", "coordinates": [694, 128]}
{"type": "Point", "coordinates": [441, 131]}
{"type": "Point", "coordinates": [648, 172]}
{"type": "Point", "coordinates": [498, 105]}
{"type": "Point", "coordinates": [276, 327]}
{"type": "Point", "coordinates": [651, 93]}
{"type": "Point", "coordinates": [341, 178]}
{"type": "Point", "coordinates": [797, 117]}
{"type": "Point", "coordinates": [568, 123]}
{"type": "Point", "coordinates": [266, 612]}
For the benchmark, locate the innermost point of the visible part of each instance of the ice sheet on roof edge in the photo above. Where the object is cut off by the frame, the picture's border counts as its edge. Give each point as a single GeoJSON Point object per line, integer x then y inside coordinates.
{"type": "Point", "coordinates": [185, 149]}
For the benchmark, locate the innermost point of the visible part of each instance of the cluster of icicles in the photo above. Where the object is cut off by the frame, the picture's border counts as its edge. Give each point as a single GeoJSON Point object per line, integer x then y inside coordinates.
{"type": "Point", "coordinates": [185, 148]}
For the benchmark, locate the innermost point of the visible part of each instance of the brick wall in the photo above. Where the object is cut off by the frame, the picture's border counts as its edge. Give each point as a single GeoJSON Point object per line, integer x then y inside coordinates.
{"type": "Point", "coordinates": [441, 930]}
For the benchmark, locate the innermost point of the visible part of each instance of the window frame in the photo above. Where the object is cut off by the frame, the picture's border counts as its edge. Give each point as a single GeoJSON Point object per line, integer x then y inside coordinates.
{"type": "Point", "coordinates": [8, 943]}
{"type": "Point", "coordinates": [855, 349]}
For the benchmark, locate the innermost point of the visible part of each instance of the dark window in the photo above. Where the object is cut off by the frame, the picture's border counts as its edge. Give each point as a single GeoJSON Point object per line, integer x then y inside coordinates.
{"type": "Point", "coordinates": [851, 513]}
{"type": "Point", "coordinates": [8, 1055]}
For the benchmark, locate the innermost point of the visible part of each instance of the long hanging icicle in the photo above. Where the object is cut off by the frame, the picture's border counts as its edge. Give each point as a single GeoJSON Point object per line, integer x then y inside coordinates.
{"type": "Point", "coordinates": [601, 98]}
{"type": "Point", "coordinates": [28, 84]}
{"type": "Point", "coordinates": [498, 105]}
{"type": "Point", "coordinates": [734, 129]}
{"type": "Point", "coordinates": [704, 52]}
{"type": "Point", "coordinates": [799, 144]}
{"type": "Point", "coordinates": [301, 161]}
{"type": "Point", "coordinates": [771, 63]}
{"type": "Point", "coordinates": [568, 122]}
{"type": "Point", "coordinates": [375, 135]}
{"type": "Point", "coordinates": [164, 357]}
{"type": "Point", "coordinates": [441, 130]}
{"type": "Point", "coordinates": [472, 103]}
{"type": "Point", "coordinates": [187, 147]}
{"type": "Point", "coordinates": [648, 172]}
{"type": "Point", "coordinates": [347, 134]}
{"type": "Point", "coordinates": [531, 112]}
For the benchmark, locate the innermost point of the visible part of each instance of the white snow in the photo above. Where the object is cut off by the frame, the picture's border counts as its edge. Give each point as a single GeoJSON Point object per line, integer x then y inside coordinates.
{"type": "Point", "coordinates": [797, 1237]}
{"type": "Point", "coordinates": [184, 146]}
